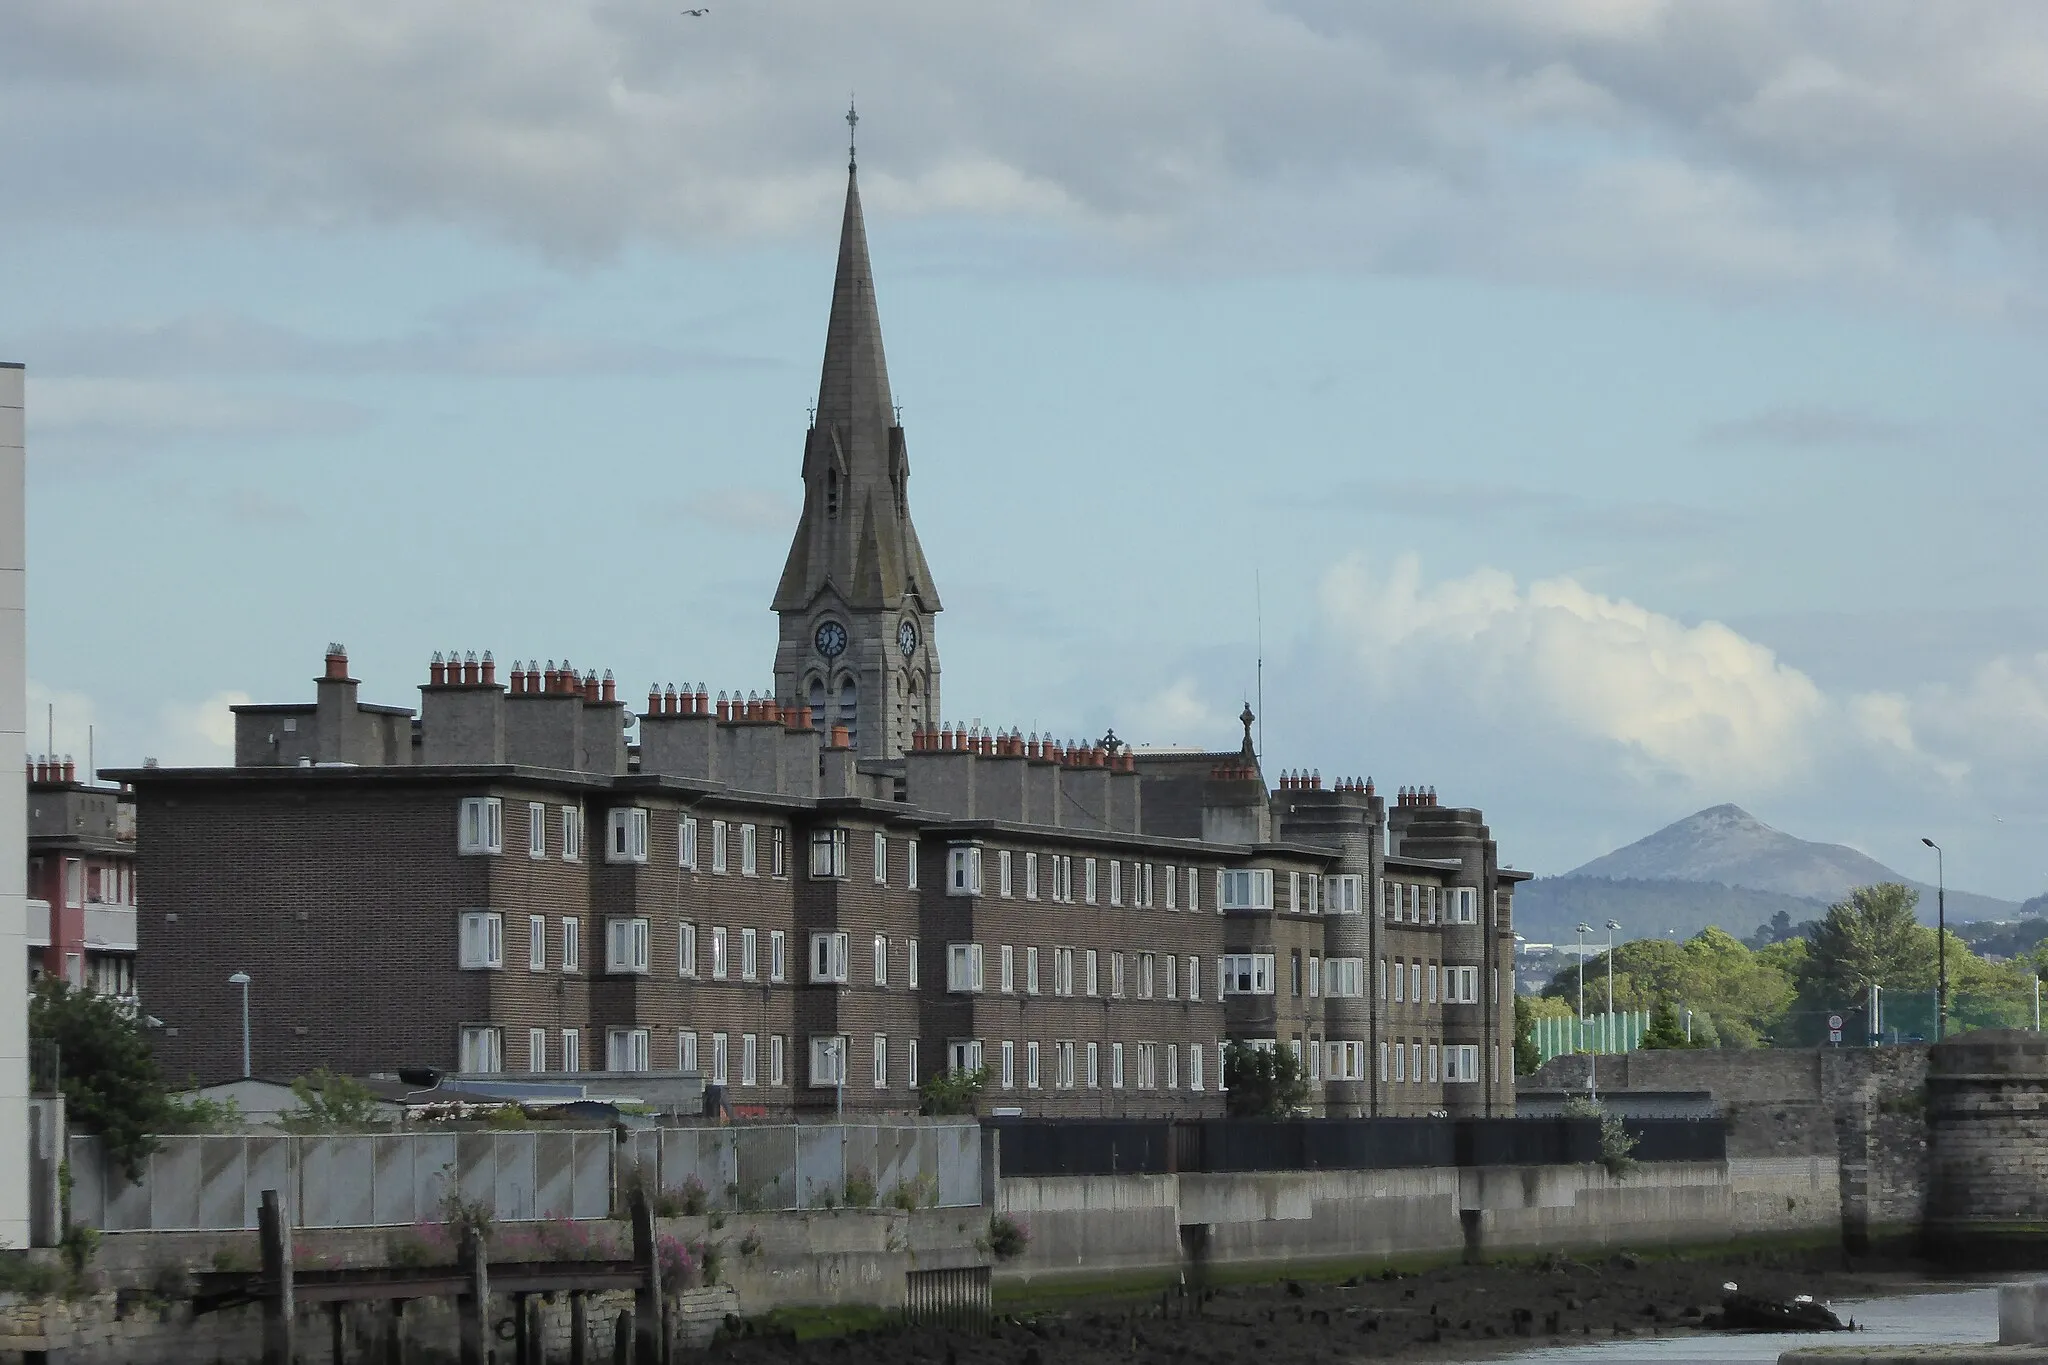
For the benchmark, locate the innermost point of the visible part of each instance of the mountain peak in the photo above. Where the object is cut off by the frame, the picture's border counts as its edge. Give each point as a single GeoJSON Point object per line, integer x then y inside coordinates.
{"type": "Point", "coordinates": [1727, 844]}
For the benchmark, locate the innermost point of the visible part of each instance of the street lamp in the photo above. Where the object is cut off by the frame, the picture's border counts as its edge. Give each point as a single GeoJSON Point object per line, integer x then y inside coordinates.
{"type": "Point", "coordinates": [242, 979]}
{"type": "Point", "coordinates": [1611, 927]}
{"type": "Point", "coordinates": [1941, 940]}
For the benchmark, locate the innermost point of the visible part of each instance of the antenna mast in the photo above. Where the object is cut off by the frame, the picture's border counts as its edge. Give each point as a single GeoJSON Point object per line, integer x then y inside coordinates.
{"type": "Point", "coordinates": [1259, 612]}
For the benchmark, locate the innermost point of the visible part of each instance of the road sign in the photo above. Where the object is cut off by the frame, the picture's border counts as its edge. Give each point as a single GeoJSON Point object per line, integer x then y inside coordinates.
{"type": "Point", "coordinates": [1834, 1023]}
{"type": "Point", "coordinates": [1834, 1035]}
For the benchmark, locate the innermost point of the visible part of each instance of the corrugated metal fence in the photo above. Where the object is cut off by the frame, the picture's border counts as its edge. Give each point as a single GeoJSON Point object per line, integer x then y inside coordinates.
{"type": "Point", "coordinates": [395, 1179]}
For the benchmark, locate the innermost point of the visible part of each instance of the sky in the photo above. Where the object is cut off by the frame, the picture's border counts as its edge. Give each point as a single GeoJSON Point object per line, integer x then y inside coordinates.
{"type": "Point", "coordinates": [1597, 409]}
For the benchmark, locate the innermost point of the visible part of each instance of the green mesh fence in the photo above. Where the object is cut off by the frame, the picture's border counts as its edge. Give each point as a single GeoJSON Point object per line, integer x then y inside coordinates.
{"type": "Point", "coordinates": [1621, 1031]}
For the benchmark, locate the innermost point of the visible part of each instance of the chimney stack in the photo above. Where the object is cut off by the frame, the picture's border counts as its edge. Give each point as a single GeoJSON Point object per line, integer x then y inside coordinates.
{"type": "Point", "coordinates": [337, 663]}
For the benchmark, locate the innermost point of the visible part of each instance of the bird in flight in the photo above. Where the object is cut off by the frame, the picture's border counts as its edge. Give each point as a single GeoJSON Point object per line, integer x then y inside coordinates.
{"type": "Point", "coordinates": [697, 13]}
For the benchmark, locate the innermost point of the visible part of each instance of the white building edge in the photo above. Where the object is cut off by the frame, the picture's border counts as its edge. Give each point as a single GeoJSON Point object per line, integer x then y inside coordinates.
{"type": "Point", "coordinates": [14, 1115]}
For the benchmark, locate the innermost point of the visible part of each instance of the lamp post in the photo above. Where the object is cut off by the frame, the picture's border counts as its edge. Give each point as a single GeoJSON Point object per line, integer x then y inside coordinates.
{"type": "Point", "coordinates": [242, 979]}
{"type": "Point", "coordinates": [1585, 929]}
{"type": "Point", "coordinates": [839, 1079]}
{"type": "Point", "coordinates": [1611, 927]}
{"type": "Point", "coordinates": [1940, 941]}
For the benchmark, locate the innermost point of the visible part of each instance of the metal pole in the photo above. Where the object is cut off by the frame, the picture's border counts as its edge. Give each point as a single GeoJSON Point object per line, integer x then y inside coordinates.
{"type": "Point", "coordinates": [1941, 940]}
{"type": "Point", "coordinates": [1611, 927]}
{"type": "Point", "coordinates": [839, 1077]}
{"type": "Point", "coordinates": [242, 979]}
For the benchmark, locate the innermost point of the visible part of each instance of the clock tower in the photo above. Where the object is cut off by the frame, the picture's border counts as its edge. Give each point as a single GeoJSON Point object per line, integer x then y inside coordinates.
{"type": "Point", "coordinates": [856, 601]}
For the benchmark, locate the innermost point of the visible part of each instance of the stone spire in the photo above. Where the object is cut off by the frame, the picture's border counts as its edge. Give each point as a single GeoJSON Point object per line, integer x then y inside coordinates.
{"type": "Point", "coordinates": [855, 535]}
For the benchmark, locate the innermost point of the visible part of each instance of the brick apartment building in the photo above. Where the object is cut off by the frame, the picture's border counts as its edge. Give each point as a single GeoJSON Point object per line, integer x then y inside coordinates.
{"type": "Point", "coordinates": [81, 880]}
{"type": "Point", "coordinates": [822, 893]}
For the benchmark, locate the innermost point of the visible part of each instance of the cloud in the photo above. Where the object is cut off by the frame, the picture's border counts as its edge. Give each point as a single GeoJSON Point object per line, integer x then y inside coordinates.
{"type": "Point", "coordinates": [1177, 716]}
{"type": "Point", "coordinates": [136, 411]}
{"type": "Point", "coordinates": [198, 734]}
{"type": "Point", "coordinates": [1565, 513]}
{"type": "Point", "coordinates": [1885, 147]}
{"type": "Point", "coordinates": [1817, 428]}
{"type": "Point", "coordinates": [748, 511]}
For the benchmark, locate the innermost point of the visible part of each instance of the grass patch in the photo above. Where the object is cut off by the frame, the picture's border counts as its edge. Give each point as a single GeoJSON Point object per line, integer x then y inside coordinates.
{"type": "Point", "coordinates": [812, 1324]}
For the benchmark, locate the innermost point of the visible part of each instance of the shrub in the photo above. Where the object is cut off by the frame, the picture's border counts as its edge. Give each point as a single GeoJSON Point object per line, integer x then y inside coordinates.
{"type": "Point", "coordinates": [466, 1216]}
{"type": "Point", "coordinates": [79, 1244]}
{"type": "Point", "coordinates": [860, 1191]}
{"type": "Point", "coordinates": [915, 1192]}
{"type": "Point", "coordinates": [693, 1198]}
{"type": "Point", "coordinates": [952, 1092]}
{"type": "Point", "coordinates": [422, 1244]}
{"type": "Point", "coordinates": [678, 1266]}
{"type": "Point", "coordinates": [23, 1273]}
{"type": "Point", "coordinates": [1007, 1237]}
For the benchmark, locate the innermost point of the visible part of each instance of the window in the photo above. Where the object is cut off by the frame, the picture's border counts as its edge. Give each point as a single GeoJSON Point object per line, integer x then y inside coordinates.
{"type": "Point", "coordinates": [686, 955]}
{"type": "Point", "coordinates": [1341, 895]}
{"type": "Point", "coordinates": [718, 847]}
{"type": "Point", "coordinates": [1315, 974]}
{"type": "Point", "coordinates": [1194, 978]}
{"type": "Point", "coordinates": [1195, 903]}
{"type": "Point", "coordinates": [1432, 983]}
{"type": "Point", "coordinates": [1383, 978]}
{"type": "Point", "coordinates": [750, 851]}
{"type": "Point", "coordinates": [719, 1058]}
{"type": "Point", "coordinates": [483, 939]}
{"type": "Point", "coordinates": [1031, 876]}
{"type": "Point", "coordinates": [482, 1050]}
{"type": "Point", "coordinates": [626, 947]}
{"type": "Point", "coordinates": [1144, 876]}
{"type": "Point", "coordinates": [881, 859]}
{"type": "Point", "coordinates": [750, 1060]}
{"type": "Point", "coordinates": [1383, 1064]}
{"type": "Point", "coordinates": [963, 1055]}
{"type": "Point", "coordinates": [1461, 985]}
{"type": "Point", "coordinates": [1461, 1063]}
{"type": "Point", "coordinates": [1344, 977]}
{"type": "Point", "coordinates": [1063, 878]}
{"type": "Point", "coordinates": [721, 963]}
{"type": "Point", "coordinates": [1294, 972]}
{"type": "Point", "coordinates": [775, 1059]}
{"type": "Point", "coordinates": [479, 827]}
{"type": "Point", "coordinates": [828, 958]}
{"type": "Point", "coordinates": [778, 955]}
{"type": "Point", "coordinates": [1007, 1073]}
{"type": "Point", "coordinates": [572, 1049]}
{"type": "Point", "coordinates": [1415, 982]}
{"type": "Point", "coordinates": [536, 1049]}
{"type": "Point", "coordinates": [1464, 905]}
{"type": "Point", "coordinates": [626, 1049]}
{"type": "Point", "coordinates": [963, 870]}
{"type": "Point", "coordinates": [1003, 873]}
{"type": "Point", "coordinates": [1063, 971]}
{"type": "Point", "coordinates": [1148, 1066]}
{"type": "Point", "coordinates": [1088, 880]}
{"type": "Point", "coordinates": [749, 954]}
{"type": "Point", "coordinates": [828, 853]}
{"type": "Point", "coordinates": [1116, 1066]}
{"type": "Point", "coordinates": [1063, 1066]}
{"type": "Point", "coordinates": [537, 842]}
{"type": "Point", "coordinates": [1172, 985]}
{"type": "Point", "coordinates": [1031, 971]}
{"type": "Point", "coordinates": [778, 857]}
{"type": "Point", "coordinates": [1415, 1063]}
{"type": "Point", "coordinates": [1167, 876]}
{"type": "Point", "coordinates": [1345, 1061]}
{"type": "Point", "coordinates": [628, 842]}
{"type": "Point", "coordinates": [686, 1050]}
{"type": "Point", "coordinates": [881, 959]}
{"type": "Point", "coordinates": [1094, 1067]}
{"type": "Point", "coordinates": [879, 1071]}
{"type": "Point", "coordinates": [1145, 965]}
{"type": "Point", "coordinates": [686, 841]}
{"type": "Point", "coordinates": [1116, 974]}
{"type": "Point", "coordinates": [1116, 882]}
{"type": "Point", "coordinates": [910, 1062]}
{"type": "Point", "coordinates": [537, 944]}
{"type": "Point", "coordinates": [572, 833]}
{"type": "Point", "coordinates": [1432, 1063]}
{"type": "Point", "coordinates": [1315, 1058]}
{"type": "Point", "coordinates": [963, 967]}
{"type": "Point", "coordinates": [1294, 892]}
{"type": "Point", "coordinates": [1430, 899]}
{"type": "Point", "coordinates": [910, 965]}
{"type": "Point", "coordinates": [1400, 1063]}
{"type": "Point", "coordinates": [910, 864]}
{"type": "Point", "coordinates": [1249, 888]}
{"type": "Point", "coordinates": [1092, 984]}
{"type": "Point", "coordinates": [1400, 982]}
{"type": "Point", "coordinates": [1195, 1066]}
{"type": "Point", "coordinates": [1009, 970]}
{"type": "Point", "coordinates": [572, 945]}
{"type": "Point", "coordinates": [1248, 974]}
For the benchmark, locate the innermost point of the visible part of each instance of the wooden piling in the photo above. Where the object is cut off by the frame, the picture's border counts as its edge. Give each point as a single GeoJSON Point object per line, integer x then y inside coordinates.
{"type": "Point", "coordinates": [622, 1339]}
{"type": "Point", "coordinates": [647, 1295]}
{"type": "Point", "coordinates": [334, 1334]}
{"type": "Point", "coordinates": [279, 1308]}
{"type": "Point", "coordinates": [394, 1334]}
{"type": "Point", "coordinates": [579, 1329]}
{"type": "Point", "coordinates": [474, 1308]}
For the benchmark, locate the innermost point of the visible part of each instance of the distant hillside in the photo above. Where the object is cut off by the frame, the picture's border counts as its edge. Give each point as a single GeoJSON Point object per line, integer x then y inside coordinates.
{"type": "Point", "coordinates": [1548, 909]}
{"type": "Point", "coordinates": [1726, 845]}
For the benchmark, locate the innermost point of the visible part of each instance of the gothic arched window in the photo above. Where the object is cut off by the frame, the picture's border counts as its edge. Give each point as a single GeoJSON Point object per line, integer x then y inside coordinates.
{"type": "Point", "coordinates": [818, 703]}
{"type": "Point", "coordinates": [849, 709]}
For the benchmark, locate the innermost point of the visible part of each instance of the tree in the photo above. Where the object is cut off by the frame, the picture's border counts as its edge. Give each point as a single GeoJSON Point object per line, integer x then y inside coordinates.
{"type": "Point", "coordinates": [1871, 939]}
{"type": "Point", "coordinates": [1665, 1031]}
{"type": "Point", "coordinates": [1264, 1082]}
{"type": "Point", "coordinates": [953, 1092]}
{"type": "Point", "coordinates": [1527, 1059]}
{"type": "Point", "coordinates": [332, 1104]}
{"type": "Point", "coordinates": [110, 1079]}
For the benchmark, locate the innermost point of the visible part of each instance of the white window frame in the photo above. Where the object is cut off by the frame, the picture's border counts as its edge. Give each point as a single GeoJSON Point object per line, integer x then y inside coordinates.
{"type": "Point", "coordinates": [1094, 1076]}
{"type": "Point", "coordinates": [828, 854]}
{"type": "Point", "coordinates": [572, 1050]}
{"type": "Point", "coordinates": [686, 1049]}
{"type": "Point", "coordinates": [536, 943]}
{"type": "Point", "coordinates": [721, 1059]}
{"type": "Point", "coordinates": [718, 864]}
{"type": "Point", "coordinates": [1006, 1072]}
{"type": "Point", "coordinates": [1245, 888]}
{"type": "Point", "coordinates": [750, 1059]}
{"type": "Point", "coordinates": [1247, 973]}
{"type": "Point", "coordinates": [828, 959]}
{"type": "Point", "coordinates": [963, 870]}
{"type": "Point", "coordinates": [881, 858]}
{"type": "Point", "coordinates": [480, 1049]}
{"type": "Point", "coordinates": [1345, 1060]}
{"type": "Point", "coordinates": [1168, 876]}
{"type": "Point", "coordinates": [481, 941]}
{"type": "Point", "coordinates": [778, 955]}
{"type": "Point", "coordinates": [686, 949]}
{"type": "Point", "coordinates": [1116, 882]}
{"type": "Point", "coordinates": [1031, 876]}
{"type": "Point", "coordinates": [1195, 903]}
{"type": "Point", "coordinates": [910, 969]}
{"type": "Point", "coordinates": [626, 837]}
{"type": "Point", "coordinates": [572, 834]}
{"type": "Point", "coordinates": [1315, 974]}
{"type": "Point", "coordinates": [910, 865]}
{"type": "Point", "coordinates": [625, 1049]}
{"type": "Point", "coordinates": [1031, 971]}
{"type": "Point", "coordinates": [1116, 1066]}
{"type": "Point", "coordinates": [878, 1061]}
{"type": "Point", "coordinates": [1116, 975]}
{"type": "Point", "coordinates": [626, 945]}
{"type": "Point", "coordinates": [1063, 1065]}
{"type": "Point", "coordinates": [1461, 1063]}
{"type": "Point", "coordinates": [750, 851]}
{"type": "Point", "coordinates": [479, 826]}
{"type": "Point", "coordinates": [1194, 978]}
{"type": "Point", "coordinates": [778, 863]}
{"type": "Point", "coordinates": [1342, 894]}
{"type": "Point", "coordinates": [686, 842]}
{"type": "Point", "coordinates": [881, 959]}
{"type": "Point", "coordinates": [1088, 880]}
{"type": "Point", "coordinates": [1031, 1064]}
{"type": "Point", "coordinates": [536, 1049]}
{"type": "Point", "coordinates": [536, 831]}
{"type": "Point", "coordinates": [963, 1056]}
{"type": "Point", "coordinates": [1063, 971]}
{"type": "Point", "coordinates": [572, 944]}
{"type": "Point", "coordinates": [1092, 981]}
{"type": "Point", "coordinates": [721, 953]}
{"type": "Point", "coordinates": [775, 1063]}
{"type": "Point", "coordinates": [1008, 973]}
{"type": "Point", "coordinates": [1195, 1077]}
{"type": "Point", "coordinates": [750, 955]}
{"type": "Point", "coordinates": [1003, 873]}
{"type": "Point", "coordinates": [1343, 978]}
{"type": "Point", "coordinates": [963, 968]}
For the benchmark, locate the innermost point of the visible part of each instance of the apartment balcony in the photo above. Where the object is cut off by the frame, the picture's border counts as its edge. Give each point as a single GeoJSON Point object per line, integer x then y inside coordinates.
{"type": "Point", "coordinates": [109, 928]}
{"type": "Point", "coordinates": [39, 923]}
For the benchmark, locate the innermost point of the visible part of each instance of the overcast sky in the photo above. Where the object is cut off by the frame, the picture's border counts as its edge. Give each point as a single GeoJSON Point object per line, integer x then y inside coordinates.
{"type": "Point", "coordinates": [1620, 407]}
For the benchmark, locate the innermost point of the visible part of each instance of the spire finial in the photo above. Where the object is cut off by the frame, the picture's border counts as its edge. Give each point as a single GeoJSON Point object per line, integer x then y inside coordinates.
{"type": "Point", "coordinates": [852, 121]}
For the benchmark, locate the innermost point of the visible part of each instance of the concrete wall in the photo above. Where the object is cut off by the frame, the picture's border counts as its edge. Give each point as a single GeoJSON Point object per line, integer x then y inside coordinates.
{"type": "Point", "coordinates": [14, 1124]}
{"type": "Point", "coordinates": [1093, 1225]}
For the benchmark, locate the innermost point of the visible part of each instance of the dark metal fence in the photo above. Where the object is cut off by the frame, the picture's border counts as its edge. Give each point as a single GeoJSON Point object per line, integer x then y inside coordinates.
{"type": "Point", "coordinates": [957, 1298]}
{"type": "Point", "coordinates": [1678, 1139]}
{"type": "Point", "coordinates": [1033, 1147]}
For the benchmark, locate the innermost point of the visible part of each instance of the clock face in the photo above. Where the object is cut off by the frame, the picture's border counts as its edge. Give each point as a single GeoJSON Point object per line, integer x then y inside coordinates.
{"type": "Point", "coordinates": [831, 639]}
{"type": "Point", "coordinates": [906, 637]}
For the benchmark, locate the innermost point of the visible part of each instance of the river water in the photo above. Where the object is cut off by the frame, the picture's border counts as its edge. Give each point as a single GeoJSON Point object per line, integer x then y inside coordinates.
{"type": "Point", "coordinates": [1966, 1315]}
